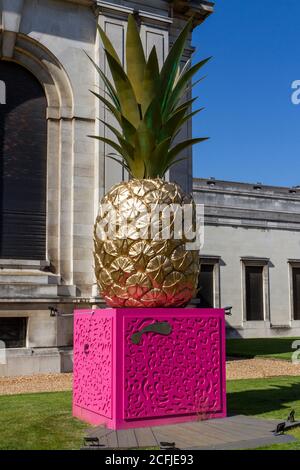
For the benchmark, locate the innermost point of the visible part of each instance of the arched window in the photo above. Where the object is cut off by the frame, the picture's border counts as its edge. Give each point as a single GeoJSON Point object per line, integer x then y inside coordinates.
{"type": "Point", "coordinates": [23, 164]}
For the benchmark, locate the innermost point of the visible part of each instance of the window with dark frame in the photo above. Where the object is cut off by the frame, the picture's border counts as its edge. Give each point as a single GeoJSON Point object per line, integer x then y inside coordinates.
{"type": "Point", "coordinates": [23, 164]}
{"type": "Point", "coordinates": [254, 293]}
{"type": "Point", "coordinates": [206, 286]}
{"type": "Point", "coordinates": [296, 292]}
{"type": "Point", "coordinates": [13, 331]}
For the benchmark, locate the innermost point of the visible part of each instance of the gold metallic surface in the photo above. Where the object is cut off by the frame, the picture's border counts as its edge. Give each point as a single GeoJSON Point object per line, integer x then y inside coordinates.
{"type": "Point", "coordinates": [135, 272]}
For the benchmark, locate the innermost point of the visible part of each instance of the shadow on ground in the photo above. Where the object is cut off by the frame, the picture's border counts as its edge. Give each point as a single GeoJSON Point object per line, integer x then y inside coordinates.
{"type": "Point", "coordinates": [280, 348]}
{"type": "Point", "coordinates": [273, 398]}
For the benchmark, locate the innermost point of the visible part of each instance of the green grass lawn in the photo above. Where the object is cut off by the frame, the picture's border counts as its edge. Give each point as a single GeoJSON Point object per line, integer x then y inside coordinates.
{"type": "Point", "coordinates": [271, 398]}
{"type": "Point", "coordinates": [276, 348]}
{"type": "Point", "coordinates": [39, 421]}
{"type": "Point", "coordinates": [291, 446]}
{"type": "Point", "coordinates": [44, 420]}
{"type": "Point", "coordinates": [266, 398]}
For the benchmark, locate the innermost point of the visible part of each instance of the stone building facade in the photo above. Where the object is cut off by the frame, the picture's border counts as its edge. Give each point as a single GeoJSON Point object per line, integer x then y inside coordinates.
{"type": "Point", "coordinates": [251, 256]}
{"type": "Point", "coordinates": [51, 175]}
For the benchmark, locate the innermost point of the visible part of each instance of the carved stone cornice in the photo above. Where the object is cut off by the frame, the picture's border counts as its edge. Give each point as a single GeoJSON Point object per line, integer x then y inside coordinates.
{"type": "Point", "coordinates": [122, 11]}
{"type": "Point", "coordinates": [201, 9]}
{"type": "Point", "coordinates": [10, 19]}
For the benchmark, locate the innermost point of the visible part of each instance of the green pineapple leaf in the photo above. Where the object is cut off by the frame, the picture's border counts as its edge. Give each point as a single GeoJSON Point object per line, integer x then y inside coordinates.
{"type": "Point", "coordinates": [129, 130]}
{"type": "Point", "coordinates": [182, 146]}
{"type": "Point", "coordinates": [158, 158]}
{"type": "Point", "coordinates": [115, 146]}
{"type": "Point", "coordinates": [145, 144]}
{"type": "Point", "coordinates": [127, 98]}
{"type": "Point", "coordinates": [135, 58]}
{"type": "Point", "coordinates": [186, 104]}
{"type": "Point", "coordinates": [115, 112]}
{"type": "Point", "coordinates": [126, 167]}
{"type": "Point", "coordinates": [172, 62]}
{"type": "Point", "coordinates": [128, 148]}
{"type": "Point", "coordinates": [151, 81]}
{"type": "Point", "coordinates": [153, 117]}
{"type": "Point", "coordinates": [190, 115]}
{"type": "Point", "coordinates": [110, 88]}
{"type": "Point", "coordinates": [178, 160]}
{"type": "Point", "coordinates": [180, 87]}
{"type": "Point", "coordinates": [148, 104]}
{"type": "Point", "coordinates": [173, 124]}
{"type": "Point", "coordinates": [108, 45]}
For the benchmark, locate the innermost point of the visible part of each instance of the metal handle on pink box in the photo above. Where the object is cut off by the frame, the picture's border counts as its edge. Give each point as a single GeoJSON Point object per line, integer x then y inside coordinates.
{"type": "Point", "coordinates": [162, 328]}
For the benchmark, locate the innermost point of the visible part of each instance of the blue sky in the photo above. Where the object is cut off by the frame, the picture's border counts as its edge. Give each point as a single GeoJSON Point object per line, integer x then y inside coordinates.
{"type": "Point", "coordinates": [253, 126]}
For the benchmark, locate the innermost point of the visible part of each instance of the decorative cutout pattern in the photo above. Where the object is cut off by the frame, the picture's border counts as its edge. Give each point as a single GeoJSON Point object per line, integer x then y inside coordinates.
{"type": "Point", "coordinates": [179, 374]}
{"type": "Point", "coordinates": [166, 379]}
{"type": "Point", "coordinates": [93, 366]}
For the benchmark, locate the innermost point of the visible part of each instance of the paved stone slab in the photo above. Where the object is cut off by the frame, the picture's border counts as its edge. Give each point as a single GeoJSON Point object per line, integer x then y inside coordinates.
{"type": "Point", "coordinates": [235, 432]}
{"type": "Point", "coordinates": [146, 438]}
{"type": "Point", "coordinates": [127, 439]}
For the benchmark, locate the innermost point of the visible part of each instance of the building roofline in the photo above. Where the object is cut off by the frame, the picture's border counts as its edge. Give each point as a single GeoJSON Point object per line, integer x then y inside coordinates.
{"type": "Point", "coordinates": [200, 9]}
{"type": "Point", "coordinates": [257, 188]}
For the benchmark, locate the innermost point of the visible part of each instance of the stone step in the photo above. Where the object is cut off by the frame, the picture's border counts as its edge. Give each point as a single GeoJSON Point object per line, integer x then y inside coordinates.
{"type": "Point", "coordinates": [37, 291]}
{"type": "Point", "coordinates": [24, 264]}
{"type": "Point", "coordinates": [11, 276]}
{"type": "Point", "coordinates": [31, 361]}
{"type": "Point", "coordinates": [23, 290]}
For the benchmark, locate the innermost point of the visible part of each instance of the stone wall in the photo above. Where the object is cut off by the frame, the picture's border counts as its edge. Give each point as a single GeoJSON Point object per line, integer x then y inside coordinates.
{"type": "Point", "coordinates": [50, 38]}
{"type": "Point", "coordinates": [257, 224]}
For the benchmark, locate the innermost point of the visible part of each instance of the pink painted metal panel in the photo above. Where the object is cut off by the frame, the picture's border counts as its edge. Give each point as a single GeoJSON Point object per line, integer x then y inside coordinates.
{"type": "Point", "coordinates": [177, 374]}
{"type": "Point", "coordinates": [165, 378]}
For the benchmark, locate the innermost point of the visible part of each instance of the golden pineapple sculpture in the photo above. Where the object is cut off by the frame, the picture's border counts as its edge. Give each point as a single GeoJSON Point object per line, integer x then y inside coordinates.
{"type": "Point", "coordinates": [143, 262]}
{"type": "Point", "coordinates": [135, 272]}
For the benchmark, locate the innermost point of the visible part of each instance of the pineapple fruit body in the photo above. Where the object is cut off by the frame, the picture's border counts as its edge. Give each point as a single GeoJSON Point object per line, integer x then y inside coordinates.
{"type": "Point", "coordinates": [140, 271]}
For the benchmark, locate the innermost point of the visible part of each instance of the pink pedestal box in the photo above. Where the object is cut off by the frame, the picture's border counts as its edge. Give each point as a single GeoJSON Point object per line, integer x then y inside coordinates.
{"type": "Point", "coordinates": [168, 377]}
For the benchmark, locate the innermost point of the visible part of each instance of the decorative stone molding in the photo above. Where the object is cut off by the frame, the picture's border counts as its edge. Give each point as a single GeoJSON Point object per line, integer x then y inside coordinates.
{"type": "Point", "coordinates": [11, 15]}
{"type": "Point", "coordinates": [201, 9]}
{"type": "Point", "coordinates": [47, 69]}
{"type": "Point", "coordinates": [122, 11]}
{"type": "Point", "coordinates": [36, 58]}
{"type": "Point", "coordinates": [10, 24]}
{"type": "Point", "coordinates": [50, 73]}
{"type": "Point", "coordinates": [158, 20]}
